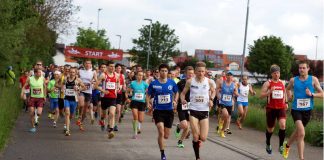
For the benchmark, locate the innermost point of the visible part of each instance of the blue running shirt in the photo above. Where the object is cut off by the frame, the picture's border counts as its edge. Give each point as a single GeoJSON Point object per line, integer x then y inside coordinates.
{"type": "Point", "coordinates": [163, 94]}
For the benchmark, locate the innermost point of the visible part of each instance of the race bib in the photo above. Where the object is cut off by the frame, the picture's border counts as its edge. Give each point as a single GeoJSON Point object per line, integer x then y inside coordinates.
{"type": "Point", "coordinates": [37, 91]}
{"type": "Point", "coordinates": [27, 90]}
{"type": "Point", "coordinates": [139, 96]}
{"type": "Point", "coordinates": [56, 91]}
{"type": "Point", "coordinates": [87, 86]}
{"type": "Point", "coordinates": [199, 99]}
{"type": "Point", "coordinates": [277, 94]}
{"type": "Point", "coordinates": [69, 92]}
{"type": "Point", "coordinates": [110, 85]}
{"type": "Point", "coordinates": [227, 97]}
{"type": "Point", "coordinates": [245, 93]}
{"type": "Point", "coordinates": [185, 106]}
{"type": "Point", "coordinates": [164, 99]}
{"type": "Point", "coordinates": [303, 103]}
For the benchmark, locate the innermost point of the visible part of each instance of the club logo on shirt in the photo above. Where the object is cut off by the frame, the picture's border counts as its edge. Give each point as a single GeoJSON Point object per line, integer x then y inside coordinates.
{"type": "Point", "coordinates": [157, 87]}
{"type": "Point", "coordinates": [192, 86]}
{"type": "Point", "coordinates": [170, 87]}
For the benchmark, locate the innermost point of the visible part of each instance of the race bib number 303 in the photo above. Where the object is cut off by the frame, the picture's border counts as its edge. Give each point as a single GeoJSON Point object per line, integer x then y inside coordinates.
{"type": "Point", "coordinates": [164, 99]}
{"type": "Point", "coordinates": [200, 99]}
{"type": "Point", "coordinates": [303, 103]}
{"type": "Point", "coordinates": [277, 94]}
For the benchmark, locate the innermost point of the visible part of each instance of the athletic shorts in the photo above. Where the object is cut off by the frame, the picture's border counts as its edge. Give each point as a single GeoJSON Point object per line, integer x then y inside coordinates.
{"type": "Point", "coordinates": [36, 102]}
{"type": "Point", "coordinates": [95, 99]}
{"type": "Point", "coordinates": [61, 103]}
{"type": "Point", "coordinates": [244, 104]}
{"type": "Point", "coordinates": [107, 103]}
{"type": "Point", "coordinates": [87, 96]}
{"type": "Point", "coordinates": [138, 105]}
{"type": "Point", "coordinates": [273, 114]}
{"type": "Point", "coordinates": [200, 115]}
{"type": "Point", "coordinates": [165, 116]}
{"type": "Point", "coordinates": [304, 116]}
{"type": "Point", "coordinates": [120, 99]}
{"type": "Point", "coordinates": [53, 103]}
{"type": "Point", "coordinates": [228, 108]}
{"type": "Point", "coordinates": [70, 104]}
{"type": "Point", "coordinates": [183, 115]}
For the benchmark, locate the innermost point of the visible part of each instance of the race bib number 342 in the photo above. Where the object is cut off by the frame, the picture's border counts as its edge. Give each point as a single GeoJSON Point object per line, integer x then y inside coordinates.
{"type": "Point", "coordinates": [164, 99]}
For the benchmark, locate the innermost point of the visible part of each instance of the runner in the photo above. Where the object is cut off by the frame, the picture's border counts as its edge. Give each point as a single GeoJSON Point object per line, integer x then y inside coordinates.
{"type": "Point", "coordinates": [72, 85]}
{"type": "Point", "coordinates": [37, 97]}
{"type": "Point", "coordinates": [120, 97]}
{"type": "Point", "coordinates": [65, 71]}
{"type": "Point", "coordinates": [243, 100]}
{"type": "Point", "coordinates": [202, 94]}
{"type": "Point", "coordinates": [22, 81]}
{"type": "Point", "coordinates": [164, 91]}
{"type": "Point", "coordinates": [304, 87]}
{"type": "Point", "coordinates": [53, 88]}
{"type": "Point", "coordinates": [225, 91]}
{"type": "Point", "coordinates": [182, 110]}
{"type": "Point", "coordinates": [137, 89]}
{"type": "Point", "coordinates": [86, 75]}
{"type": "Point", "coordinates": [108, 101]}
{"type": "Point", "coordinates": [274, 90]}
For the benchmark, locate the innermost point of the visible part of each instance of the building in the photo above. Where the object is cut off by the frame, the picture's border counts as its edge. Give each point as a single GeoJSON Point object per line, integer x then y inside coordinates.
{"type": "Point", "coordinates": [219, 58]}
{"type": "Point", "coordinates": [182, 57]}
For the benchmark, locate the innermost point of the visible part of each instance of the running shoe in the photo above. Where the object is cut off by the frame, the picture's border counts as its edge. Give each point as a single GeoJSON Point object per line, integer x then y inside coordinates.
{"type": "Point", "coordinates": [54, 124]}
{"type": "Point", "coordinates": [81, 127]}
{"type": "Point", "coordinates": [49, 115]}
{"type": "Point", "coordinates": [285, 150]}
{"type": "Point", "coordinates": [115, 128]}
{"type": "Point", "coordinates": [281, 148]}
{"type": "Point", "coordinates": [238, 123]}
{"type": "Point", "coordinates": [222, 134]}
{"type": "Point", "coordinates": [269, 149]}
{"type": "Point", "coordinates": [78, 122]}
{"type": "Point", "coordinates": [163, 157]}
{"type": "Point", "coordinates": [228, 131]}
{"type": "Point", "coordinates": [67, 133]}
{"type": "Point", "coordinates": [102, 125]}
{"type": "Point", "coordinates": [32, 130]}
{"type": "Point", "coordinates": [177, 132]}
{"type": "Point", "coordinates": [111, 135]}
{"type": "Point", "coordinates": [139, 131]}
{"type": "Point", "coordinates": [180, 145]}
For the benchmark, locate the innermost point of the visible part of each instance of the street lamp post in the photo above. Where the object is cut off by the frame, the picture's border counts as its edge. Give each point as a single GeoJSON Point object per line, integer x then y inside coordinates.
{"type": "Point", "coordinates": [246, 27]}
{"type": "Point", "coordinates": [149, 51]}
{"type": "Point", "coordinates": [99, 9]}
{"type": "Point", "coordinates": [119, 40]}
{"type": "Point", "coordinates": [316, 47]}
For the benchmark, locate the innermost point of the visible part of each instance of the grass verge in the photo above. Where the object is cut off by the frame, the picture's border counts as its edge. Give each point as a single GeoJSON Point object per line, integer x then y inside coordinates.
{"type": "Point", "coordinates": [10, 106]}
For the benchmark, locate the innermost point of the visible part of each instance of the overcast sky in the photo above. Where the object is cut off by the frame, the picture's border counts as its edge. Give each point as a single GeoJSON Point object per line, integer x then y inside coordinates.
{"type": "Point", "coordinates": [209, 24]}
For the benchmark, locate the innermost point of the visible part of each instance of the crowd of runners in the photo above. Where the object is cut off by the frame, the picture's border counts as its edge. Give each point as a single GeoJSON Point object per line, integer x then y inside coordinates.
{"type": "Point", "coordinates": [103, 94]}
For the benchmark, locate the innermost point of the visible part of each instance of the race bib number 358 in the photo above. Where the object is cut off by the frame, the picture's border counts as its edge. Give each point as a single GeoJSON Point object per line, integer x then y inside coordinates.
{"type": "Point", "coordinates": [164, 99]}
{"type": "Point", "coordinates": [303, 103]}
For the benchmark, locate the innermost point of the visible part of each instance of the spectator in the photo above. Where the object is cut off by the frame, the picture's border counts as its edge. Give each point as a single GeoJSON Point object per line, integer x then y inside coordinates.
{"type": "Point", "coordinates": [10, 77]}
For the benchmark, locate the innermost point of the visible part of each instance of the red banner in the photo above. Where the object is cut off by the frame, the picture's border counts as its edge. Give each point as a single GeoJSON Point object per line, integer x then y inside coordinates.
{"type": "Point", "coordinates": [93, 53]}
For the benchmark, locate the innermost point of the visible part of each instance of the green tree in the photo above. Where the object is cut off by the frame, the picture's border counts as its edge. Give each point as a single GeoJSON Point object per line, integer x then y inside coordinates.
{"type": "Point", "coordinates": [89, 38]}
{"type": "Point", "coordinates": [267, 51]}
{"type": "Point", "coordinates": [163, 45]}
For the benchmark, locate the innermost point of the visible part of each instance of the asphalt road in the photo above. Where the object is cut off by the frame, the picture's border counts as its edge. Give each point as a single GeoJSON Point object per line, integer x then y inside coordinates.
{"type": "Point", "coordinates": [50, 143]}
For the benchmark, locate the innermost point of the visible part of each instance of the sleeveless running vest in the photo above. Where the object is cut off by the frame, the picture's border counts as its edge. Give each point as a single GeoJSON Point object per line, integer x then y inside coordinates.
{"type": "Point", "coordinates": [110, 85]}
{"type": "Point", "coordinates": [302, 101]}
{"type": "Point", "coordinates": [86, 76]}
{"type": "Point", "coordinates": [227, 94]}
{"type": "Point", "coordinates": [199, 95]}
{"type": "Point", "coordinates": [121, 82]}
{"type": "Point", "coordinates": [70, 93]}
{"type": "Point", "coordinates": [243, 93]}
{"type": "Point", "coordinates": [276, 99]}
{"type": "Point", "coordinates": [37, 87]}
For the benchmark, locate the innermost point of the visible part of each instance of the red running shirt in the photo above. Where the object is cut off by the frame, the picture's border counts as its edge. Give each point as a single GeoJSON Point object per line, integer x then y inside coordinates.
{"type": "Point", "coordinates": [276, 100]}
{"type": "Point", "coordinates": [111, 85]}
